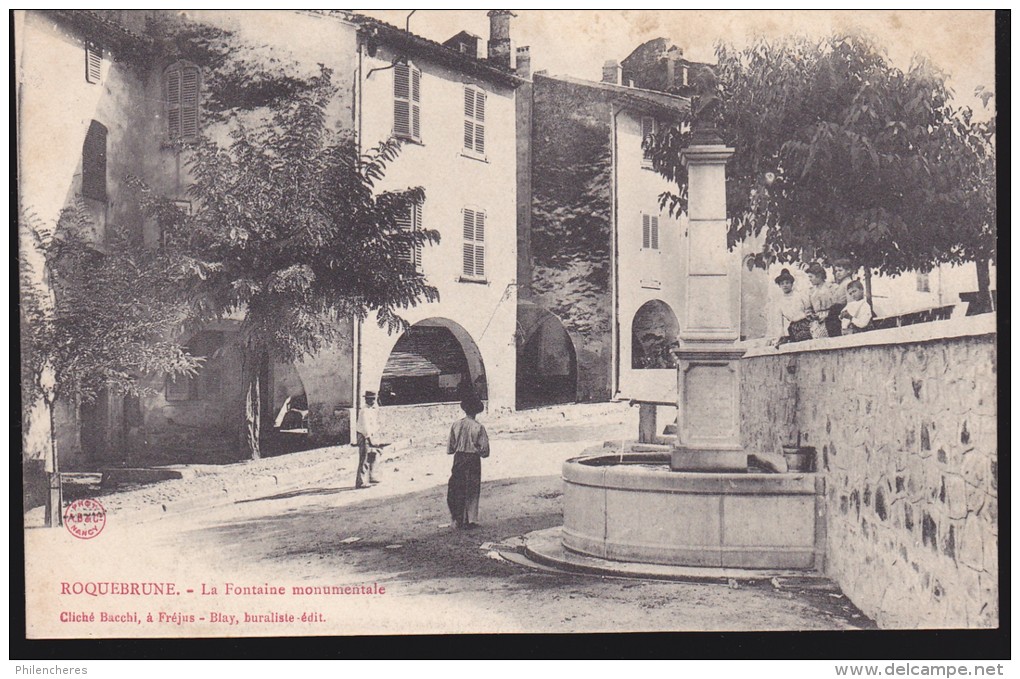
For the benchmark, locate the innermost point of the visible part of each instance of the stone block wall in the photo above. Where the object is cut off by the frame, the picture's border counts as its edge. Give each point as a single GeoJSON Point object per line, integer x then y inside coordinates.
{"type": "Point", "coordinates": [904, 422]}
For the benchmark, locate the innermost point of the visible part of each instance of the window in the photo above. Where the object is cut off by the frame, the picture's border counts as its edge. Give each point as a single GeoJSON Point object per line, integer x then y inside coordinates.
{"type": "Point", "coordinates": [649, 127]}
{"type": "Point", "coordinates": [474, 244]}
{"type": "Point", "coordinates": [649, 232]}
{"type": "Point", "coordinates": [207, 383]}
{"type": "Point", "coordinates": [474, 120]}
{"type": "Point", "coordinates": [412, 222]}
{"type": "Point", "coordinates": [93, 163]}
{"type": "Point", "coordinates": [93, 62]}
{"type": "Point", "coordinates": [407, 102]}
{"type": "Point", "coordinates": [686, 80]}
{"type": "Point", "coordinates": [923, 282]}
{"type": "Point", "coordinates": [181, 82]}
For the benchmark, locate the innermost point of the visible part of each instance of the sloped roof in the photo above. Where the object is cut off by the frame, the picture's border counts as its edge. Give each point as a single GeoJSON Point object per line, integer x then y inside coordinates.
{"type": "Point", "coordinates": [100, 27]}
{"type": "Point", "coordinates": [401, 39]}
{"type": "Point", "coordinates": [646, 99]}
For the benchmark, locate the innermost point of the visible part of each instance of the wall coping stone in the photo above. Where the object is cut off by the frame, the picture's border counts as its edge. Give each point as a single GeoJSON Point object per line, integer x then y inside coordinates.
{"type": "Point", "coordinates": [968, 326]}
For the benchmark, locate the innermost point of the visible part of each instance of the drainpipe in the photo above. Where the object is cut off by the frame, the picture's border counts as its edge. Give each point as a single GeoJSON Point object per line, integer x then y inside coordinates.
{"type": "Point", "coordinates": [615, 252]}
{"type": "Point", "coordinates": [355, 321]}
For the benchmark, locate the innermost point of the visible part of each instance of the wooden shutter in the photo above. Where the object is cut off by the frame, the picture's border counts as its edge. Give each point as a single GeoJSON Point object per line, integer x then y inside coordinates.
{"type": "Point", "coordinates": [402, 100]}
{"type": "Point", "coordinates": [405, 222]}
{"type": "Point", "coordinates": [474, 243]}
{"type": "Point", "coordinates": [649, 232]}
{"type": "Point", "coordinates": [417, 226]}
{"type": "Point", "coordinates": [189, 102]}
{"type": "Point", "coordinates": [93, 62]}
{"type": "Point", "coordinates": [469, 118]}
{"type": "Point", "coordinates": [406, 101]}
{"type": "Point", "coordinates": [182, 83]}
{"type": "Point", "coordinates": [93, 163]}
{"type": "Point", "coordinates": [469, 244]}
{"type": "Point", "coordinates": [411, 221]}
{"type": "Point", "coordinates": [474, 119]}
{"type": "Point", "coordinates": [416, 103]}
{"type": "Point", "coordinates": [173, 103]}
{"type": "Point", "coordinates": [480, 244]}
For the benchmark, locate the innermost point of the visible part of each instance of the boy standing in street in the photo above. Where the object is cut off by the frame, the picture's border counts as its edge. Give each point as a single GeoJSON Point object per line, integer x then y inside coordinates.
{"type": "Point", "coordinates": [367, 446]}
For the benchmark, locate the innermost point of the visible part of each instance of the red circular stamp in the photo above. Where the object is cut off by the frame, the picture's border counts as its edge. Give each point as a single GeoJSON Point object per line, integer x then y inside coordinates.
{"type": "Point", "coordinates": [85, 519]}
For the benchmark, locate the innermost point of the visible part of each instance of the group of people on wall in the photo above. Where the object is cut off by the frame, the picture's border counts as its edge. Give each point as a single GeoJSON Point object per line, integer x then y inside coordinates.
{"type": "Point", "coordinates": [824, 309]}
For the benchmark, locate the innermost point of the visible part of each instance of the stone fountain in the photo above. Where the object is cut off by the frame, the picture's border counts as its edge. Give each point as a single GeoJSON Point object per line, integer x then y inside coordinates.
{"type": "Point", "coordinates": [697, 502]}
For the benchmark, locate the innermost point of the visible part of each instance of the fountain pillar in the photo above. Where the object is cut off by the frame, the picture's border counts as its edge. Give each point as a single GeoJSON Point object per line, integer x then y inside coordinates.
{"type": "Point", "coordinates": [708, 363]}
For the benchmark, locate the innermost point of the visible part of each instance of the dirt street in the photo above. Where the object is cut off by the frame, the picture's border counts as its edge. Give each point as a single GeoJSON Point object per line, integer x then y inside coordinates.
{"type": "Point", "coordinates": [396, 537]}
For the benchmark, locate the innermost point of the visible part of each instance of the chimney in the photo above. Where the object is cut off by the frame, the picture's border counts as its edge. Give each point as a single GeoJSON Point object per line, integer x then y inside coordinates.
{"type": "Point", "coordinates": [612, 72]}
{"type": "Point", "coordinates": [674, 68]}
{"type": "Point", "coordinates": [499, 37]}
{"type": "Point", "coordinates": [524, 62]}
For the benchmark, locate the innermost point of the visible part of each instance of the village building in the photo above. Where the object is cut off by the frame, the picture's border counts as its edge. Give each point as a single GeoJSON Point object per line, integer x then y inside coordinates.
{"type": "Point", "coordinates": [600, 276]}
{"type": "Point", "coordinates": [559, 273]}
{"type": "Point", "coordinates": [89, 114]}
{"type": "Point", "coordinates": [455, 112]}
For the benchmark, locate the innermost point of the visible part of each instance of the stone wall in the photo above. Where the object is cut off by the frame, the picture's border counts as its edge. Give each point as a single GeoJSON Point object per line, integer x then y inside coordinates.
{"type": "Point", "coordinates": [566, 266]}
{"type": "Point", "coordinates": [904, 422]}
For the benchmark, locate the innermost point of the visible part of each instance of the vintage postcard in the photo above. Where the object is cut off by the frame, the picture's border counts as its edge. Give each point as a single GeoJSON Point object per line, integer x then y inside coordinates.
{"type": "Point", "coordinates": [380, 322]}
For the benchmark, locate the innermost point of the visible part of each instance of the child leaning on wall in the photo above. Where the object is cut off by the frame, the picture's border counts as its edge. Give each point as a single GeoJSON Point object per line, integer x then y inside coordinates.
{"type": "Point", "coordinates": [857, 314]}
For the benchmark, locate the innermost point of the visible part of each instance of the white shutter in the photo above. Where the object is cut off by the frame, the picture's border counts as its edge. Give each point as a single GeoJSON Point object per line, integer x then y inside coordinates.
{"type": "Point", "coordinates": [479, 121]}
{"type": "Point", "coordinates": [405, 222]}
{"type": "Point", "coordinates": [480, 244]}
{"type": "Point", "coordinates": [401, 100]}
{"type": "Point", "coordinates": [411, 221]}
{"type": "Point", "coordinates": [474, 243]}
{"type": "Point", "coordinates": [416, 103]}
{"type": "Point", "coordinates": [93, 62]}
{"type": "Point", "coordinates": [407, 101]}
{"type": "Point", "coordinates": [417, 226]}
{"type": "Point", "coordinates": [474, 119]}
{"type": "Point", "coordinates": [469, 245]}
{"type": "Point", "coordinates": [480, 106]}
{"type": "Point", "coordinates": [480, 138]}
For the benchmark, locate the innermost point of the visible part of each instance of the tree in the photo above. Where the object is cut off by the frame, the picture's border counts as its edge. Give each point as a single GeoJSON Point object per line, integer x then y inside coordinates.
{"type": "Point", "coordinates": [840, 154]}
{"type": "Point", "coordinates": [289, 231]}
{"type": "Point", "coordinates": [95, 317]}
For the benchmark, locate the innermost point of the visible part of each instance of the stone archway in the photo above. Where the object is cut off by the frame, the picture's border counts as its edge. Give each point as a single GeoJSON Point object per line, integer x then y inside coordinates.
{"type": "Point", "coordinates": [653, 332]}
{"type": "Point", "coordinates": [435, 361]}
{"type": "Point", "coordinates": [546, 359]}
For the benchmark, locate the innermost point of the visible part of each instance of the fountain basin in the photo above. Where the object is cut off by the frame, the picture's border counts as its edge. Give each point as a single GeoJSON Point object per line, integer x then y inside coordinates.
{"type": "Point", "coordinates": [631, 507]}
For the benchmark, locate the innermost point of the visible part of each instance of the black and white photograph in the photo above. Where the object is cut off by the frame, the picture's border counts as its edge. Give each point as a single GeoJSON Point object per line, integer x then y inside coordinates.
{"type": "Point", "coordinates": [338, 323]}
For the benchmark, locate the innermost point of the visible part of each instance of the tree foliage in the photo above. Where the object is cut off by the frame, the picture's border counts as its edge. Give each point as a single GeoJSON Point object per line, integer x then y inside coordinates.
{"type": "Point", "coordinates": [99, 315]}
{"type": "Point", "coordinates": [290, 230]}
{"type": "Point", "coordinates": [839, 153]}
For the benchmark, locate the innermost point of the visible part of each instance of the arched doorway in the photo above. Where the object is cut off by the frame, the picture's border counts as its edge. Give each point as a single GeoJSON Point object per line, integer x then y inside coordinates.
{"type": "Point", "coordinates": [546, 359]}
{"type": "Point", "coordinates": [434, 361]}
{"type": "Point", "coordinates": [653, 333]}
